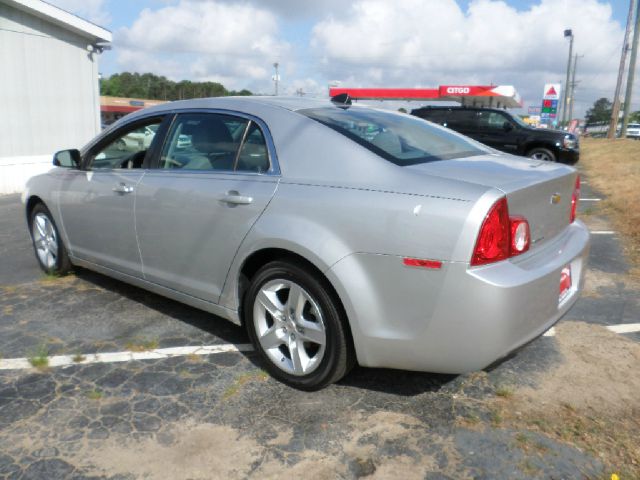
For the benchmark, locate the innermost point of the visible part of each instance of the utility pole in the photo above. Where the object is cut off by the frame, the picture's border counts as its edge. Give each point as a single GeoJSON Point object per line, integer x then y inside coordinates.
{"type": "Point", "coordinates": [573, 85]}
{"type": "Point", "coordinates": [276, 77]}
{"type": "Point", "coordinates": [630, 78]}
{"type": "Point", "coordinates": [615, 111]}
{"type": "Point", "coordinates": [567, 33]}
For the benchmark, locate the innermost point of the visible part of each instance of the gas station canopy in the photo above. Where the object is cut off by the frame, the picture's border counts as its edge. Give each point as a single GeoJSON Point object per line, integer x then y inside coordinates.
{"type": "Point", "coordinates": [501, 96]}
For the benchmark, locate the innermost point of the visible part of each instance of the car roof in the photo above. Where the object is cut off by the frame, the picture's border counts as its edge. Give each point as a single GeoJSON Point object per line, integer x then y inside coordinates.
{"type": "Point", "coordinates": [288, 103]}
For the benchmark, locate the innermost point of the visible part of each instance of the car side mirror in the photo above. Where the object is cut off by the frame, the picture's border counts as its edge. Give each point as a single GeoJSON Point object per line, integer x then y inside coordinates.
{"type": "Point", "coordinates": [507, 126]}
{"type": "Point", "coordinates": [67, 158]}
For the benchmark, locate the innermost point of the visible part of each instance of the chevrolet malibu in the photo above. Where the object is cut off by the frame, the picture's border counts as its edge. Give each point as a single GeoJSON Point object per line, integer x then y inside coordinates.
{"type": "Point", "coordinates": [333, 233]}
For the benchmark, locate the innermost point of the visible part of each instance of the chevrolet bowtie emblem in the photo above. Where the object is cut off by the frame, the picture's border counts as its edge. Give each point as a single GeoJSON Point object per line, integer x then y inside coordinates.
{"type": "Point", "coordinates": [555, 198]}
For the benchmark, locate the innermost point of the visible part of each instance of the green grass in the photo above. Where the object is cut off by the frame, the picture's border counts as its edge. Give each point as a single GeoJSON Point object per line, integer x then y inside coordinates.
{"type": "Point", "coordinates": [141, 345]}
{"type": "Point", "coordinates": [496, 418]}
{"type": "Point", "coordinates": [39, 358]}
{"type": "Point", "coordinates": [504, 392]}
{"type": "Point", "coordinates": [50, 277]}
{"type": "Point", "coordinates": [241, 381]}
{"type": "Point", "coordinates": [94, 394]}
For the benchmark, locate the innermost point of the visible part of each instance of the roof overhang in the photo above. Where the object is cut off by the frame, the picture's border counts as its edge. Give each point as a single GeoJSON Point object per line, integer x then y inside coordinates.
{"type": "Point", "coordinates": [62, 18]}
{"type": "Point", "coordinates": [477, 95]}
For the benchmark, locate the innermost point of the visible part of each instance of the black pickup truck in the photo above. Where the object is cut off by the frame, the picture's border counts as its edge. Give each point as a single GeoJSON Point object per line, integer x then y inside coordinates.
{"type": "Point", "coordinates": [503, 131]}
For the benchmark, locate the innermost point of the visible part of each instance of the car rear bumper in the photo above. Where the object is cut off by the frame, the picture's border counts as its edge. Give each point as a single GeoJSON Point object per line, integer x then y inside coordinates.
{"type": "Point", "coordinates": [456, 319]}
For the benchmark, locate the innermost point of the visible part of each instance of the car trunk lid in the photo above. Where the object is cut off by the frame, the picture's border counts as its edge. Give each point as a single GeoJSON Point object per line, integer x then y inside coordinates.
{"type": "Point", "coordinates": [539, 191]}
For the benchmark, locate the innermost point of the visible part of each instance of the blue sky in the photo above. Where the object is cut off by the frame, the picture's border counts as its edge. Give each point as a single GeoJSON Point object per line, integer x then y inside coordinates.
{"type": "Point", "coordinates": [403, 43]}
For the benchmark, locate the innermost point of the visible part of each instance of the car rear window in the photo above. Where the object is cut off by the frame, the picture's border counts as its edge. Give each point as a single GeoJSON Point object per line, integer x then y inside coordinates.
{"type": "Point", "coordinates": [399, 138]}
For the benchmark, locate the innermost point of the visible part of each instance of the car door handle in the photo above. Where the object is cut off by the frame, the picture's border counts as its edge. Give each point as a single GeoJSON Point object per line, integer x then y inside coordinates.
{"type": "Point", "coordinates": [234, 198]}
{"type": "Point", "coordinates": [123, 188]}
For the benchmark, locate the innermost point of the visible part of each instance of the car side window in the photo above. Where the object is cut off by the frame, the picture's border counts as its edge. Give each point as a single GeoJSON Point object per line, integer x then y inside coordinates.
{"type": "Point", "coordinates": [491, 120]}
{"type": "Point", "coordinates": [253, 156]}
{"type": "Point", "coordinates": [461, 119]}
{"type": "Point", "coordinates": [203, 141]}
{"type": "Point", "coordinates": [128, 149]}
{"type": "Point", "coordinates": [435, 116]}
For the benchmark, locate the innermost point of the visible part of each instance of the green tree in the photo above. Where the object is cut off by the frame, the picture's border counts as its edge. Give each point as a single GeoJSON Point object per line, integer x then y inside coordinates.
{"type": "Point", "coordinates": [153, 87]}
{"type": "Point", "coordinates": [600, 111]}
{"type": "Point", "coordinates": [635, 117]}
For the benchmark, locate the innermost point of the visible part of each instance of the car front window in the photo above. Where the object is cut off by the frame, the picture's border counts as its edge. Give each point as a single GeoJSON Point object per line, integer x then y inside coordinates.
{"type": "Point", "coordinates": [127, 150]}
{"type": "Point", "coordinates": [401, 139]}
{"type": "Point", "coordinates": [518, 120]}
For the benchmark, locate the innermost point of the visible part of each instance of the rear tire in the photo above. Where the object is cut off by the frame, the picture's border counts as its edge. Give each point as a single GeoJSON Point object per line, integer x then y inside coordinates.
{"type": "Point", "coordinates": [297, 326]}
{"type": "Point", "coordinates": [47, 244]}
{"type": "Point", "coordinates": [543, 154]}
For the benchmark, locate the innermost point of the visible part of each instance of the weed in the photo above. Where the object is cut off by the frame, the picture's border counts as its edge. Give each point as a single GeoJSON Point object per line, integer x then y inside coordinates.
{"type": "Point", "coordinates": [504, 392]}
{"type": "Point", "coordinates": [193, 358]}
{"type": "Point", "coordinates": [39, 358]}
{"type": "Point", "coordinates": [496, 417]}
{"type": "Point", "coordinates": [78, 358]}
{"type": "Point", "coordinates": [522, 440]}
{"type": "Point", "coordinates": [8, 289]}
{"type": "Point", "coordinates": [241, 381]}
{"type": "Point", "coordinates": [468, 420]}
{"type": "Point", "coordinates": [141, 345]}
{"type": "Point", "coordinates": [49, 277]}
{"type": "Point", "coordinates": [528, 468]}
{"type": "Point", "coordinates": [94, 394]}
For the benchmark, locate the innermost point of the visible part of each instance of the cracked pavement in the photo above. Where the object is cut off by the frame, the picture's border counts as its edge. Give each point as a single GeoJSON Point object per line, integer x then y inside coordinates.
{"type": "Point", "coordinates": [221, 416]}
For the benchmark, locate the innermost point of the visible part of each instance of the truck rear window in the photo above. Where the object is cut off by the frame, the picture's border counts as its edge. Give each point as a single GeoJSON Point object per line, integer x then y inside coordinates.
{"type": "Point", "coordinates": [399, 138]}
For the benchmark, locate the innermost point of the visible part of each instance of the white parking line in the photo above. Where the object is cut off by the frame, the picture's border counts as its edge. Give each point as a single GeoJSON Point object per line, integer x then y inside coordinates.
{"type": "Point", "coordinates": [625, 328]}
{"type": "Point", "coordinates": [162, 353]}
{"type": "Point", "coordinates": [602, 232]}
{"type": "Point", "coordinates": [590, 199]}
{"type": "Point", "coordinates": [622, 328]}
{"type": "Point", "coordinates": [126, 356]}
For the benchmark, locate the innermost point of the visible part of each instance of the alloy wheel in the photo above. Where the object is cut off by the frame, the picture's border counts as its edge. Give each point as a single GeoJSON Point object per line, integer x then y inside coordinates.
{"type": "Point", "coordinates": [289, 326]}
{"type": "Point", "coordinates": [45, 240]}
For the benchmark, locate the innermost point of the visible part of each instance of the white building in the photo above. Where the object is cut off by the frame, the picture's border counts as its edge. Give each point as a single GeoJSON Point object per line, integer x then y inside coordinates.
{"type": "Point", "coordinates": [49, 90]}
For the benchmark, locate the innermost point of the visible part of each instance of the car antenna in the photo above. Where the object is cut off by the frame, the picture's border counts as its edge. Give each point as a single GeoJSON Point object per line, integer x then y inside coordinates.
{"type": "Point", "coordinates": [341, 99]}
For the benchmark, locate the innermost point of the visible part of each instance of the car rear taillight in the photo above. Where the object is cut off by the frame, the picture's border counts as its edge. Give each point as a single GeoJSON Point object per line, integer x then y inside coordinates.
{"type": "Point", "coordinates": [574, 200]}
{"type": "Point", "coordinates": [493, 241]}
{"type": "Point", "coordinates": [501, 236]}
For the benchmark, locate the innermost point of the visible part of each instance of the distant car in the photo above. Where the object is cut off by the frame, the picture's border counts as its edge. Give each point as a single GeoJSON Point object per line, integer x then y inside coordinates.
{"type": "Point", "coordinates": [508, 133]}
{"type": "Point", "coordinates": [633, 131]}
{"type": "Point", "coordinates": [138, 139]}
{"type": "Point", "coordinates": [184, 141]}
{"type": "Point", "coordinates": [332, 233]}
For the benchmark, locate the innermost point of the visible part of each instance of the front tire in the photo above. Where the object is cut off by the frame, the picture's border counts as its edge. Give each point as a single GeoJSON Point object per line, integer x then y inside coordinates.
{"type": "Point", "coordinates": [297, 327]}
{"type": "Point", "coordinates": [48, 246]}
{"type": "Point", "coordinates": [543, 154]}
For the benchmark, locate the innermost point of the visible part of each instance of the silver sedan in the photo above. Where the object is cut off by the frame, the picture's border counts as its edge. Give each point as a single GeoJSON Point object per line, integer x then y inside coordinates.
{"type": "Point", "coordinates": [333, 233]}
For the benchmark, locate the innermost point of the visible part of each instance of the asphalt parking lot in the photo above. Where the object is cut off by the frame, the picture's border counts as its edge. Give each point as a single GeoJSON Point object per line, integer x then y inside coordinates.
{"type": "Point", "coordinates": [162, 410]}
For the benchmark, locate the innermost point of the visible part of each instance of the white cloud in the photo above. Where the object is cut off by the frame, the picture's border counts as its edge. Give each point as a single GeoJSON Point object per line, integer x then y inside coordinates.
{"type": "Point", "coordinates": [92, 10]}
{"type": "Point", "coordinates": [235, 44]}
{"type": "Point", "coordinates": [429, 43]}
